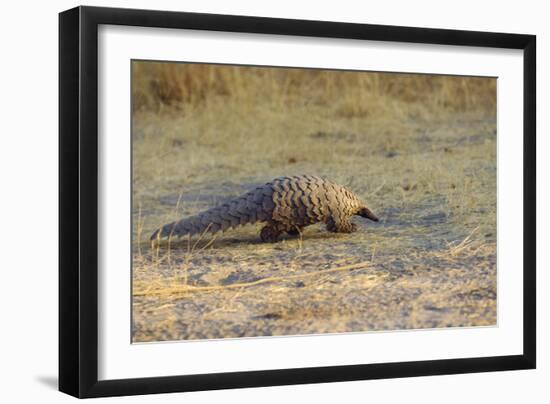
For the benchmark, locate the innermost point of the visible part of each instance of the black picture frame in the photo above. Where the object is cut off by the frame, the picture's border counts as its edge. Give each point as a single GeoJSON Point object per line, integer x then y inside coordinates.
{"type": "Point", "coordinates": [78, 206]}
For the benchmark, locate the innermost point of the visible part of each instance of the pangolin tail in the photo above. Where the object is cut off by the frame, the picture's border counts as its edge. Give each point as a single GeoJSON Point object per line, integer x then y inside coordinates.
{"type": "Point", "coordinates": [254, 206]}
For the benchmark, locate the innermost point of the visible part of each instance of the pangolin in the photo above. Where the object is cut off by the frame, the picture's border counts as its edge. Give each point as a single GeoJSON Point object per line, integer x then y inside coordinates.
{"type": "Point", "coordinates": [286, 204]}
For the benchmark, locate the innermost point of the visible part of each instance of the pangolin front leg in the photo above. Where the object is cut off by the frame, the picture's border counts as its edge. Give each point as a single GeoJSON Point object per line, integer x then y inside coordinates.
{"type": "Point", "coordinates": [340, 225]}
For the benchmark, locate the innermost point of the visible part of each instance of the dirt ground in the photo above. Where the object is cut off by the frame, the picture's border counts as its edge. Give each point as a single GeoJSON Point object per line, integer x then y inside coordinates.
{"type": "Point", "coordinates": [428, 171]}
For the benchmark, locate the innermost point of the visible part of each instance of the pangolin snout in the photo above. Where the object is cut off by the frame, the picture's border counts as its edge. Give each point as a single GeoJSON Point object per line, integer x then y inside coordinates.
{"type": "Point", "coordinates": [366, 212]}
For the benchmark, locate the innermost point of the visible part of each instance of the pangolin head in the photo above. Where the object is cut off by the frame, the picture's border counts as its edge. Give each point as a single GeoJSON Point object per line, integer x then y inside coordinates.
{"type": "Point", "coordinates": [366, 212]}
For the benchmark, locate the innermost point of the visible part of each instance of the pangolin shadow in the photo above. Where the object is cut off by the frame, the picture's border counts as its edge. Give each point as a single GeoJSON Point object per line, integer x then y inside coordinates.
{"type": "Point", "coordinates": [185, 243]}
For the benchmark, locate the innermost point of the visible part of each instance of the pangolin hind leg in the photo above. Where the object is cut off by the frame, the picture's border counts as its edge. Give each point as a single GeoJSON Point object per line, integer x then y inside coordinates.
{"type": "Point", "coordinates": [295, 231]}
{"type": "Point", "coordinates": [271, 231]}
{"type": "Point", "coordinates": [340, 225]}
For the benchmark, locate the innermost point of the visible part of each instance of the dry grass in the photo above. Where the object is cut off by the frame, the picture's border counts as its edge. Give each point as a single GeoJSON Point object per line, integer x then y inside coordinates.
{"type": "Point", "coordinates": [357, 94]}
{"type": "Point", "coordinates": [421, 150]}
{"type": "Point", "coordinates": [168, 287]}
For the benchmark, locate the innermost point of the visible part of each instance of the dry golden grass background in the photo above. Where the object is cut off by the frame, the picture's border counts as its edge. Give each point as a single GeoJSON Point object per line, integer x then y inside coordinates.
{"type": "Point", "coordinates": [420, 149]}
{"type": "Point", "coordinates": [350, 93]}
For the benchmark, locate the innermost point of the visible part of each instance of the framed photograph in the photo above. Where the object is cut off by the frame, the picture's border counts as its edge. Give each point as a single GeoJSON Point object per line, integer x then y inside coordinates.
{"type": "Point", "coordinates": [250, 201]}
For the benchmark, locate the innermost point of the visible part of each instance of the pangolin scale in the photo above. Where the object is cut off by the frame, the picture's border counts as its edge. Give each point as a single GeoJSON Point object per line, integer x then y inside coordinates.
{"type": "Point", "coordinates": [286, 204]}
